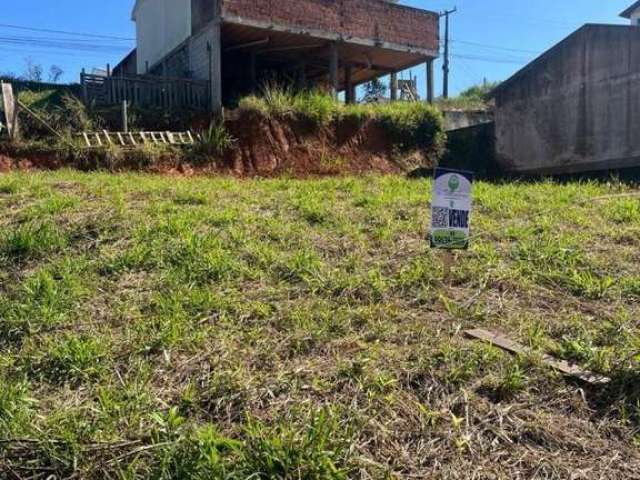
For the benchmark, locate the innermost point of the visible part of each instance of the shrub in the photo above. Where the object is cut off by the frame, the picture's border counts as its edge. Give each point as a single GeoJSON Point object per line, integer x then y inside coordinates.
{"type": "Point", "coordinates": [412, 126]}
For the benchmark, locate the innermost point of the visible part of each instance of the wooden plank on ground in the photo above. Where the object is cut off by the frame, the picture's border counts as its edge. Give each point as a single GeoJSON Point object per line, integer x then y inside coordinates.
{"type": "Point", "coordinates": [10, 110]}
{"type": "Point", "coordinates": [562, 366]}
{"type": "Point", "coordinates": [617, 197]}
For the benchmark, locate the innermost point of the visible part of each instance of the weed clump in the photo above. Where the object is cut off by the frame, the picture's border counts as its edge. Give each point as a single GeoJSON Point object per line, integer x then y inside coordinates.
{"type": "Point", "coordinates": [74, 358]}
{"type": "Point", "coordinates": [32, 240]}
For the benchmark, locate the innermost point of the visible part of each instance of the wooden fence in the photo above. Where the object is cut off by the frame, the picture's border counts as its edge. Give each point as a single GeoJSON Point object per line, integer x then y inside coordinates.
{"type": "Point", "coordinates": [145, 91]}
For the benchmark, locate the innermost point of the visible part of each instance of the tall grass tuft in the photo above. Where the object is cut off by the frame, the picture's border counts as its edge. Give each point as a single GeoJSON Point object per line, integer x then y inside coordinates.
{"type": "Point", "coordinates": [214, 141]}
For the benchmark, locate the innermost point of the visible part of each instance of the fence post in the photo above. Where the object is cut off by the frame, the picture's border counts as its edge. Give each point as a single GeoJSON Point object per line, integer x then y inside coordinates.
{"type": "Point", "coordinates": [83, 82]}
{"type": "Point", "coordinates": [10, 110]}
{"type": "Point", "coordinates": [125, 117]}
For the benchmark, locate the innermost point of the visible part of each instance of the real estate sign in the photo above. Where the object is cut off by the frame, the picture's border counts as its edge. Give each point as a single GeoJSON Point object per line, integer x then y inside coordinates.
{"type": "Point", "coordinates": [451, 209]}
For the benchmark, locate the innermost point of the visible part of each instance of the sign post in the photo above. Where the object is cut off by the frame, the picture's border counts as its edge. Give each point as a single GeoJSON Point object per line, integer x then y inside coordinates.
{"type": "Point", "coordinates": [451, 213]}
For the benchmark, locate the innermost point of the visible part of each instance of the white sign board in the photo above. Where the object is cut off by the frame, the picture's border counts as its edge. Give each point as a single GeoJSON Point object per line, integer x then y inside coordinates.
{"type": "Point", "coordinates": [451, 209]}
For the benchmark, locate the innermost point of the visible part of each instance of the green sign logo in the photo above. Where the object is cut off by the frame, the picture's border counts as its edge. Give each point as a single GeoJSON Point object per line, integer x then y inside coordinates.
{"type": "Point", "coordinates": [454, 183]}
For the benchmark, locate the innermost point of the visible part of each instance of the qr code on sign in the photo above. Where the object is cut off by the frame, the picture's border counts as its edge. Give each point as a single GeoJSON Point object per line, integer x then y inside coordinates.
{"type": "Point", "coordinates": [440, 217]}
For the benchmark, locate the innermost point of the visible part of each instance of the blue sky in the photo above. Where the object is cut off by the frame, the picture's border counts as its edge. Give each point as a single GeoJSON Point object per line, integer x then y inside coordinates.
{"type": "Point", "coordinates": [491, 39]}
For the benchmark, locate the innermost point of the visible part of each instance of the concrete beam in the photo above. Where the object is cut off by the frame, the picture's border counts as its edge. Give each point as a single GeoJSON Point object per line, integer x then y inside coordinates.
{"type": "Point", "coordinates": [257, 43]}
{"type": "Point", "coordinates": [430, 81]}
{"type": "Point", "coordinates": [328, 35]}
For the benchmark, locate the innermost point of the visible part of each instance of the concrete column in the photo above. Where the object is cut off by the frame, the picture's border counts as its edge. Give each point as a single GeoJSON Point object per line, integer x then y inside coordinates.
{"type": "Point", "coordinates": [253, 73]}
{"type": "Point", "coordinates": [430, 77]}
{"type": "Point", "coordinates": [301, 76]}
{"type": "Point", "coordinates": [334, 61]}
{"type": "Point", "coordinates": [353, 94]}
{"type": "Point", "coordinates": [394, 87]}
{"type": "Point", "coordinates": [349, 95]}
{"type": "Point", "coordinates": [215, 68]}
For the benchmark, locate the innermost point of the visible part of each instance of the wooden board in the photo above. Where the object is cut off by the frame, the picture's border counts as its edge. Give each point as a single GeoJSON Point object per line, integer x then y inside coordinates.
{"type": "Point", "coordinates": [10, 109]}
{"type": "Point", "coordinates": [566, 368]}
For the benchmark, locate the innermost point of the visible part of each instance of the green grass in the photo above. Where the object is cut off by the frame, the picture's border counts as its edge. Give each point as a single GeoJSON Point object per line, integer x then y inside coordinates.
{"type": "Point", "coordinates": [160, 327]}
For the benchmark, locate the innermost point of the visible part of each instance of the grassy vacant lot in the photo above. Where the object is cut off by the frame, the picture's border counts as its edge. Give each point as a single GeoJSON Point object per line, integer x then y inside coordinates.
{"type": "Point", "coordinates": [158, 327]}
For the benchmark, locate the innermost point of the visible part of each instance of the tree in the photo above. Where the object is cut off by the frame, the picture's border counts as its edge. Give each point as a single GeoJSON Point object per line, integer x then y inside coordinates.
{"type": "Point", "coordinates": [374, 90]}
{"type": "Point", "coordinates": [479, 92]}
{"type": "Point", "coordinates": [55, 72]}
{"type": "Point", "coordinates": [33, 72]}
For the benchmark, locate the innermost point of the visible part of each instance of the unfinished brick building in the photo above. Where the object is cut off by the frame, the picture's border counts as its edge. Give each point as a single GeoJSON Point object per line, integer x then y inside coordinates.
{"type": "Point", "coordinates": [235, 45]}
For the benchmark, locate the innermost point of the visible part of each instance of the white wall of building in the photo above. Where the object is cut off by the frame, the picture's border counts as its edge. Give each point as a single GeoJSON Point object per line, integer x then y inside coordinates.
{"type": "Point", "coordinates": [161, 25]}
{"type": "Point", "coordinates": [635, 17]}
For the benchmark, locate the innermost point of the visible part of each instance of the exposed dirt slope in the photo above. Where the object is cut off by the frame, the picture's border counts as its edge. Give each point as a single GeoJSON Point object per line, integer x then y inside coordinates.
{"type": "Point", "coordinates": [270, 146]}
{"type": "Point", "coordinates": [263, 147]}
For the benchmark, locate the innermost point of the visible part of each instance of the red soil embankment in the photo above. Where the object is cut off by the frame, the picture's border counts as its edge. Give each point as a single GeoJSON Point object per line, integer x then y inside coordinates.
{"type": "Point", "coordinates": [271, 146]}
{"type": "Point", "coordinates": [262, 147]}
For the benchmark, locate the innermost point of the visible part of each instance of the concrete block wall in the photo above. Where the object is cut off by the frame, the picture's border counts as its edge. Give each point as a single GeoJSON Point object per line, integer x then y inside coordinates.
{"type": "Point", "coordinates": [177, 64]}
{"type": "Point", "coordinates": [363, 19]}
{"type": "Point", "coordinates": [200, 58]}
{"type": "Point", "coordinates": [199, 54]}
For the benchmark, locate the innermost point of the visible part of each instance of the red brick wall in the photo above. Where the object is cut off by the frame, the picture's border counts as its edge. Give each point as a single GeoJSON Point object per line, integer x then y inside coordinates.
{"type": "Point", "coordinates": [368, 19]}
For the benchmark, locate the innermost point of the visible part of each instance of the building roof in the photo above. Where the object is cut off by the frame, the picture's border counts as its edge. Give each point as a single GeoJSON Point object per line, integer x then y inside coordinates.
{"type": "Point", "coordinates": [134, 12]}
{"type": "Point", "coordinates": [549, 53]}
{"type": "Point", "coordinates": [629, 11]}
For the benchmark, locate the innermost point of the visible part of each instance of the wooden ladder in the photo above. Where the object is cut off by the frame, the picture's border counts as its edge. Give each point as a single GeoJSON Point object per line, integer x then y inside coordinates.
{"type": "Point", "coordinates": [134, 139]}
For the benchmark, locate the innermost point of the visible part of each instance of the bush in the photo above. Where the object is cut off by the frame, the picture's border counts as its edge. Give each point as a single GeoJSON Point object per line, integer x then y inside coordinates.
{"type": "Point", "coordinates": [412, 126]}
{"type": "Point", "coordinates": [59, 108]}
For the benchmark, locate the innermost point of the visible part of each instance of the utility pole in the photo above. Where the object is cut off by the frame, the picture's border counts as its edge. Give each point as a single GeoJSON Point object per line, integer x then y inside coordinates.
{"type": "Point", "coordinates": [445, 67]}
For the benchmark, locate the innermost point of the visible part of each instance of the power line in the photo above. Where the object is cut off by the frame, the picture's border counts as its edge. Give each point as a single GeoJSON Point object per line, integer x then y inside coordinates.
{"type": "Point", "coordinates": [62, 39]}
{"type": "Point", "coordinates": [494, 47]}
{"type": "Point", "coordinates": [472, 76]}
{"type": "Point", "coordinates": [513, 61]}
{"type": "Point", "coordinates": [62, 32]}
{"type": "Point", "coordinates": [23, 51]}
{"type": "Point", "coordinates": [61, 45]}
